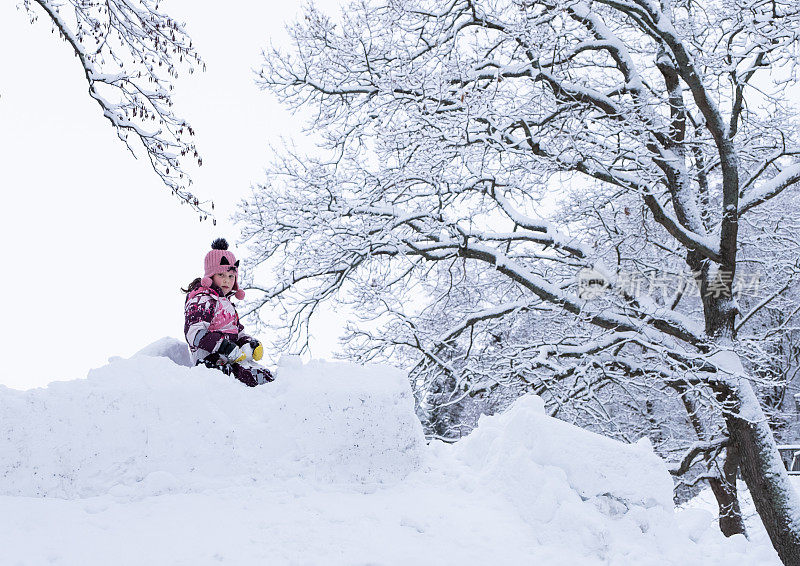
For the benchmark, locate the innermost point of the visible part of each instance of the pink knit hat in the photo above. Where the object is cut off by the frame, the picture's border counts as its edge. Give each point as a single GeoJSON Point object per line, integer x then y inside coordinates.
{"type": "Point", "coordinates": [220, 260]}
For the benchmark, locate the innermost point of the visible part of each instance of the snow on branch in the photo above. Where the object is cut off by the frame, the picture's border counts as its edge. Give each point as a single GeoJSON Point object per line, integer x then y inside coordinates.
{"type": "Point", "coordinates": [663, 321]}
{"type": "Point", "coordinates": [770, 188]}
{"type": "Point", "coordinates": [130, 52]}
{"type": "Point", "coordinates": [696, 449]}
{"type": "Point", "coordinates": [691, 240]}
{"type": "Point", "coordinates": [551, 236]}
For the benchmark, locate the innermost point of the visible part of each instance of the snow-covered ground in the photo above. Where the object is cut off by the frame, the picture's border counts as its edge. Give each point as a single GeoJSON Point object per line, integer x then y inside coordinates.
{"type": "Point", "coordinates": [148, 461]}
{"type": "Point", "coordinates": [755, 528]}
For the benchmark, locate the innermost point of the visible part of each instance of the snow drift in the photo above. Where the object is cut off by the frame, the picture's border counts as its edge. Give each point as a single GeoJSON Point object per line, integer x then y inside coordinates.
{"type": "Point", "coordinates": [326, 465]}
{"type": "Point", "coordinates": [195, 427]}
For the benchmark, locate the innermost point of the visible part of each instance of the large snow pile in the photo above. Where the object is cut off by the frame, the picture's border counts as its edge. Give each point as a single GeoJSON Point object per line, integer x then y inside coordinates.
{"type": "Point", "coordinates": [150, 461]}
{"type": "Point", "coordinates": [191, 427]}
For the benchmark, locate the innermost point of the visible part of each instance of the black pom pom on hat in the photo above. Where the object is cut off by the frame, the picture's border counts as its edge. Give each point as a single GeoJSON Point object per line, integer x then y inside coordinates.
{"type": "Point", "coordinates": [219, 244]}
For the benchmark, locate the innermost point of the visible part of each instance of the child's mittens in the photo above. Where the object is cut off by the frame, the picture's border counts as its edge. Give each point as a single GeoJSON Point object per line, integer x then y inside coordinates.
{"type": "Point", "coordinates": [258, 349]}
{"type": "Point", "coordinates": [253, 349]}
{"type": "Point", "coordinates": [230, 352]}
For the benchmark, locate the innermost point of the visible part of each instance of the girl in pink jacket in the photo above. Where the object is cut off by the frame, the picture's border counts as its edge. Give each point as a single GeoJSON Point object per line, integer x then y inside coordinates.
{"type": "Point", "coordinates": [216, 337]}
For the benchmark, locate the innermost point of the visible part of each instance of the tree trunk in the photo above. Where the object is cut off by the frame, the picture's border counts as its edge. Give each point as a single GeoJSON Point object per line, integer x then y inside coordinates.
{"type": "Point", "coordinates": [724, 488]}
{"type": "Point", "coordinates": [763, 471]}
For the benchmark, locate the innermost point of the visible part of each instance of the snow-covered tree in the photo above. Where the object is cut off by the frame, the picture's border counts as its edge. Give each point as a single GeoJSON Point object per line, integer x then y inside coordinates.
{"type": "Point", "coordinates": [455, 127]}
{"type": "Point", "coordinates": [130, 53]}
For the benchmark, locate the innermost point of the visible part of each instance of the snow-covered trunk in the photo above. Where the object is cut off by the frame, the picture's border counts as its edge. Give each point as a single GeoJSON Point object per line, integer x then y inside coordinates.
{"type": "Point", "coordinates": [763, 471]}
{"type": "Point", "coordinates": [724, 486]}
{"type": "Point", "coordinates": [724, 489]}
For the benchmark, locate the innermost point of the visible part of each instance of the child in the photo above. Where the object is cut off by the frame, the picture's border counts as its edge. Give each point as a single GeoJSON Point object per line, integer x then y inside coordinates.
{"type": "Point", "coordinates": [212, 326]}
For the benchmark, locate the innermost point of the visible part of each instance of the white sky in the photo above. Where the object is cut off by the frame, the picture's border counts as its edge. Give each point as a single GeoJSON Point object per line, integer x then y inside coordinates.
{"type": "Point", "coordinates": [96, 248]}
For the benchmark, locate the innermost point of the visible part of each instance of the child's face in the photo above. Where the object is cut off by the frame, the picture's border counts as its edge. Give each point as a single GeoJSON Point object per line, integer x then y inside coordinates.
{"type": "Point", "coordinates": [225, 281]}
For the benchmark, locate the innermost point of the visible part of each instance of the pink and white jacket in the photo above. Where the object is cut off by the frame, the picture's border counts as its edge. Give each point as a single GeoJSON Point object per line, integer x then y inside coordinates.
{"type": "Point", "coordinates": [209, 318]}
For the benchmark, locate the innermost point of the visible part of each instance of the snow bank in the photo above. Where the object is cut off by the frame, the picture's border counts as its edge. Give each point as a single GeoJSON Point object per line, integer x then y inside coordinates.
{"type": "Point", "coordinates": [149, 424]}
{"type": "Point", "coordinates": [525, 442]}
{"type": "Point", "coordinates": [167, 347]}
{"type": "Point", "coordinates": [148, 461]}
{"type": "Point", "coordinates": [590, 498]}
